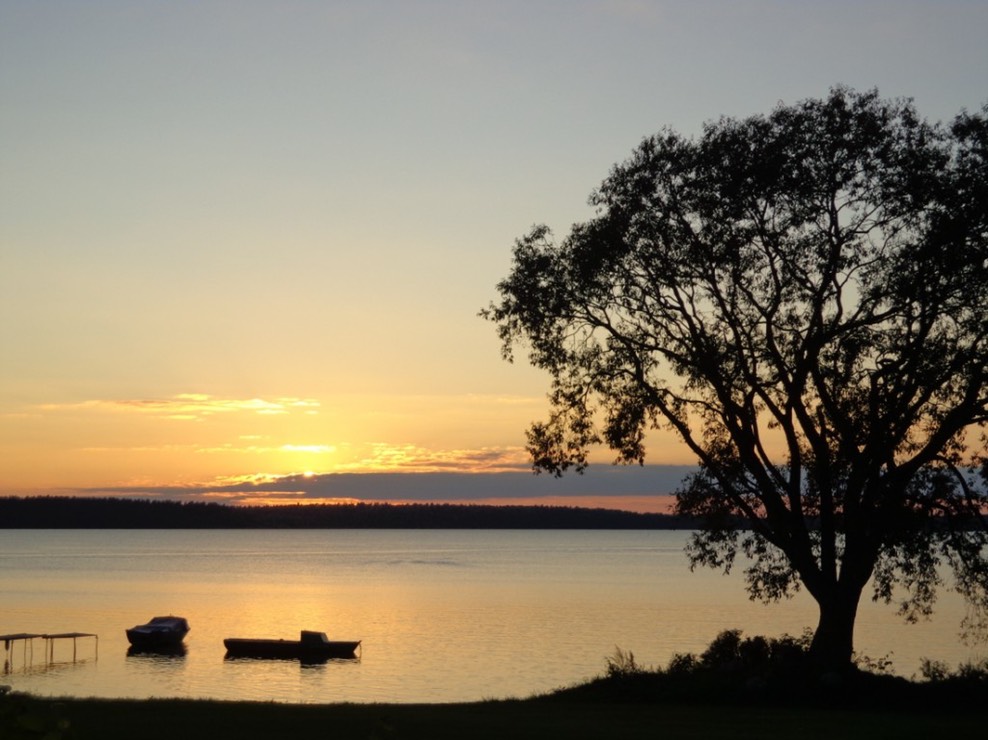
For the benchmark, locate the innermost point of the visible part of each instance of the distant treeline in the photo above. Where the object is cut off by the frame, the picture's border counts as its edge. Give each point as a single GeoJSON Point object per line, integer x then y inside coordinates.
{"type": "Point", "coordinates": [63, 512]}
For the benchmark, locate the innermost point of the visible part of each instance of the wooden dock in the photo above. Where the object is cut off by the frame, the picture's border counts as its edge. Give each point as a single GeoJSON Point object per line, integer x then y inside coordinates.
{"type": "Point", "coordinates": [28, 638]}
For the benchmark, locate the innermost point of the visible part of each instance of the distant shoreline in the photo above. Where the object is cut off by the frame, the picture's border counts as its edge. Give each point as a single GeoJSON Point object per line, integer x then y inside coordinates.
{"type": "Point", "coordinates": [65, 512]}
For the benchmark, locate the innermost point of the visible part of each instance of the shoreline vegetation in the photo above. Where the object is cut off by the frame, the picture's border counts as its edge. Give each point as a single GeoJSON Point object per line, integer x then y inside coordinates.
{"type": "Point", "coordinates": [738, 688]}
{"type": "Point", "coordinates": [67, 512]}
{"type": "Point", "coordinates": [166, 719]}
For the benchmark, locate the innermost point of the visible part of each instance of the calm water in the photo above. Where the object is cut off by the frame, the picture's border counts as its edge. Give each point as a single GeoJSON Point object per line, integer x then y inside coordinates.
{"type": "Point", "coordinates": [443, 615]}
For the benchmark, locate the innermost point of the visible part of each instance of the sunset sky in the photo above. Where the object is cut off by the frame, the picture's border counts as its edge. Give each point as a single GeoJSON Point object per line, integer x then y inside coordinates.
{"type": "Point", "coordinates": [243, 244]}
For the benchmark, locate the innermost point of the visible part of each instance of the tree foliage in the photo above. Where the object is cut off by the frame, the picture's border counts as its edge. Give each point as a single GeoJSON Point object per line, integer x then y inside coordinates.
{"type": "Point", "coordinates": [803, 298]}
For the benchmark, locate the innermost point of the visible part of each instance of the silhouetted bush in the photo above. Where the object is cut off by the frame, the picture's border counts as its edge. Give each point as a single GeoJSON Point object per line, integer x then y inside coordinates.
{"type": "Point", "coordinates": [734, 669]}
{"type": "Point", "coordinates": [623, 664]}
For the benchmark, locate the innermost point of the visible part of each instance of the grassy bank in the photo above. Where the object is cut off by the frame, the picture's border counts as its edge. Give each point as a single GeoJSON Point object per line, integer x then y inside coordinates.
{"type": "Point", "coordinates": [92, 719]}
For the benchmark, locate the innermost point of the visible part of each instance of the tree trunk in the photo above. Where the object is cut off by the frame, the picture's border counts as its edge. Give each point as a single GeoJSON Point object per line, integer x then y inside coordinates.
{"type": "Point", "coordinates": [833, 642]}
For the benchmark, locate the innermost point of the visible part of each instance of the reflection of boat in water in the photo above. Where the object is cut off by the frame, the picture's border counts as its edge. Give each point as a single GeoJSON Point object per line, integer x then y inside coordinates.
{"type": "Point", "coordinates": [158, 634]}
{"type": "Point", "coordinates": [165, 651]}
{"type": "Point", "coordinates": [310, 647]}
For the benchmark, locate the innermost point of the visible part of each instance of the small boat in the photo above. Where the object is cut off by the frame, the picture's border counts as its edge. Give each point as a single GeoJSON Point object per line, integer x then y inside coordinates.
{"type": "Point", "coordinates": [311, 646]}
{"type": "Point", "coordinates": [158, 634]}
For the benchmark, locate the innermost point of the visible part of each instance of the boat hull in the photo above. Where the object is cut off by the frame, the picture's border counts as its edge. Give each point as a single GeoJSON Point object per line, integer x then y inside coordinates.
{"type": "Point", "coordinates": [237, 647]}
{"type": "Point", "coordinates": [161, 633]}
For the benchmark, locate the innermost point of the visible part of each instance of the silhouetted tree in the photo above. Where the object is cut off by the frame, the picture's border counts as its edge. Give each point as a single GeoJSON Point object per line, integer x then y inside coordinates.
{"type": "Point", "coordinates": [803, 298]}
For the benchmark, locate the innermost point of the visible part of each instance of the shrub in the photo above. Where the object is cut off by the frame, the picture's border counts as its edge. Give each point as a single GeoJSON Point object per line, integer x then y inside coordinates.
{"type": "Point", "coordinates": [623, 664]}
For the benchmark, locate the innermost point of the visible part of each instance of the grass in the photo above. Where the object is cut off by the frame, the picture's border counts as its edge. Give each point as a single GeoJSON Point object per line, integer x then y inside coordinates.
{"type": "Point", "coordinates": [168, 719]}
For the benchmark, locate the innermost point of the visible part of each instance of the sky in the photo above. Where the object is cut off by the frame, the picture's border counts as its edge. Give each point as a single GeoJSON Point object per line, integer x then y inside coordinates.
{"type": "Point", "coordinates": [243, 245]}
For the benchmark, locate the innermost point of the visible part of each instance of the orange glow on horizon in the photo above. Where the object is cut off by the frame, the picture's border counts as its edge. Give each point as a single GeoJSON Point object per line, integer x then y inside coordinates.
{"type": "Point", "coordinates": [197, 446]}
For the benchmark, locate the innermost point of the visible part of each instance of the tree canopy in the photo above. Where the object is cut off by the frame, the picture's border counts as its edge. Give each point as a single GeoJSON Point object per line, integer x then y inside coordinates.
{"type": "Point", "coordinates": [802, 297]}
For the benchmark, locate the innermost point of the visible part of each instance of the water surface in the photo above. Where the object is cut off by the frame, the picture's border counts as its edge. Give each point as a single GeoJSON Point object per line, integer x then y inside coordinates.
{"type": "Point", "coordinates": [443, 615]}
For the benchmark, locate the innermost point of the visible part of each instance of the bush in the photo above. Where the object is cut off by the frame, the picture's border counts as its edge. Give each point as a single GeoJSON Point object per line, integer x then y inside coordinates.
{"type": "Point", "coordinates": [934, 670]}
{"type": "Point", "coordinates": [937, 671]}
{"type": "Point", "coordinates": [777, 671]}
{"type": "Point", "coordinates": [623, 664]}
{"type": "Point", "coordinates": [730, 653]}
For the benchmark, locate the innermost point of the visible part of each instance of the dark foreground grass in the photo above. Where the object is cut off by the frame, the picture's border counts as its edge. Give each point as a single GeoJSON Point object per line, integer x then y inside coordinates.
{"type": "Point", "coordinates": [175, 719]}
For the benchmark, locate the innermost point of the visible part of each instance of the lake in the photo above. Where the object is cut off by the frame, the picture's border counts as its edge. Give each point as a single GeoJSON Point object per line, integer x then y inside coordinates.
{"type": "Point", "coordinates": [444, 616]}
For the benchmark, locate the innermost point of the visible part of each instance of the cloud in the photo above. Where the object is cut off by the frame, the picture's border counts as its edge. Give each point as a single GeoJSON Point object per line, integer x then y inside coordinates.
{"type": "Point", "coordinates": [311, 449]}
{"type": "Point", "coordinates": [386, 457]}
{"type": "Point", "coordinates": [254, 449]}
{"type": "Point", "coordinates": [598, 483]}
{"type": "Point", "coordinates": [191, 406]}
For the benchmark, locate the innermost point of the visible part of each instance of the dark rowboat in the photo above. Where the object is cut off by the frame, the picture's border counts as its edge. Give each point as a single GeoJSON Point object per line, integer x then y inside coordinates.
{"type": "Point", "coordinates": [310, 646]}
{"type": "Point", "coordinates": [158, 634]}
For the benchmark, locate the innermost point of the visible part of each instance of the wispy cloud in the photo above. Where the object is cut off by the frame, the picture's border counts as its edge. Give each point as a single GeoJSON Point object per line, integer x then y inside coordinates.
{"type": "Point", "coordinates": [385, 457]}
{"type": "Point", "coordinates": [228, 448]}
{"type": "Point", "coordinates": [190, 406]}
{"type": "Point", "coordinates": [260, 449]}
